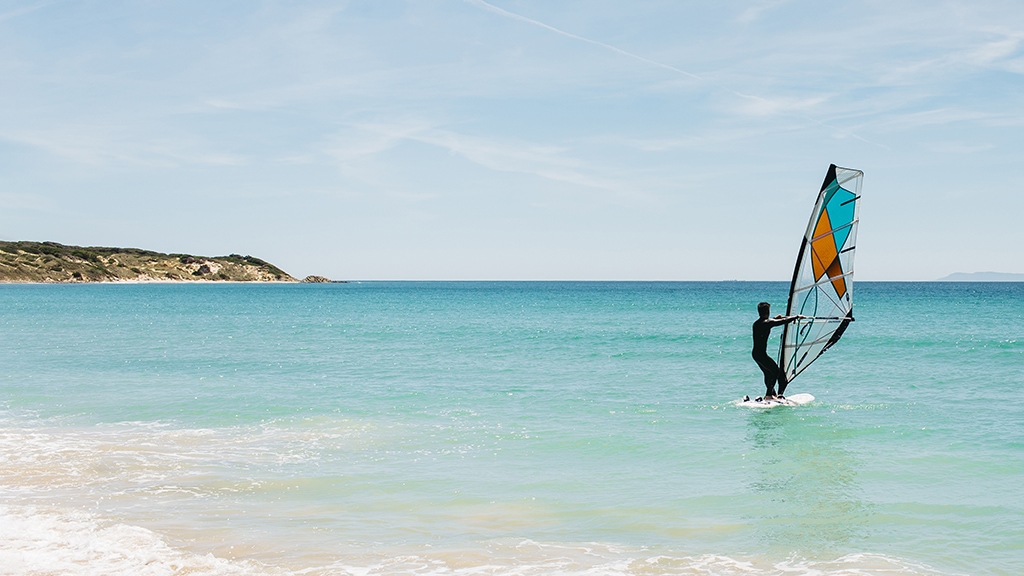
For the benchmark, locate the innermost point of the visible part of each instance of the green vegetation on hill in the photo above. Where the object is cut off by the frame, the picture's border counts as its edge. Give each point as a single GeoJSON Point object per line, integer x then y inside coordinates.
{"type": "Point", "coordinates": [53, 262]}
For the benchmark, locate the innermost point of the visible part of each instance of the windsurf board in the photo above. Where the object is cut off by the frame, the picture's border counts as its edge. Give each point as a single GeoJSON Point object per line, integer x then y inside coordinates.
{"type": "Point", "coordinates": [794, 400]}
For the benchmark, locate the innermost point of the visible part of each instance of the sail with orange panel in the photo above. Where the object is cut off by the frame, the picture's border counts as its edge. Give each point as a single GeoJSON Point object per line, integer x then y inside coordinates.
{"type": "Point", "coordinates": [822, 286]}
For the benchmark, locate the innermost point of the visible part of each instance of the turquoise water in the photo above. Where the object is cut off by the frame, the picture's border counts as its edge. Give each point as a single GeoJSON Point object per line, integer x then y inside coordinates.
{"type": "Point", "coordinates": [503, 428]}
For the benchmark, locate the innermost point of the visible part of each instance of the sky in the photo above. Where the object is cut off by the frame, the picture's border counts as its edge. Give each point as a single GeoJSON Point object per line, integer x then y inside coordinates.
{"type": "Point", "coordinates": [515, 139]}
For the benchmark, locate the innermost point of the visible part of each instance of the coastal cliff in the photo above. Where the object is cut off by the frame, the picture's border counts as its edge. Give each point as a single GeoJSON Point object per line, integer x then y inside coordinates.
{"type": "Point", "coordinates": [53, 262]}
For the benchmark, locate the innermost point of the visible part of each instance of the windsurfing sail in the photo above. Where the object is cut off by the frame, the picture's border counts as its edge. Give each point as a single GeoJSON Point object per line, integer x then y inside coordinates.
{"type": "Point", "coordinates": [822, 286]}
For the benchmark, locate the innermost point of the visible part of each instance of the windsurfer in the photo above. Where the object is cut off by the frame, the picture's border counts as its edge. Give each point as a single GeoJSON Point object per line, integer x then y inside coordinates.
{"type": "Point", "coordinates": [762, 330]}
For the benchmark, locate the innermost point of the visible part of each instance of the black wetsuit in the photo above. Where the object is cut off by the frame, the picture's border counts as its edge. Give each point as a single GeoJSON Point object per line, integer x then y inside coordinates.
{"type": "Point", "coordinates": [772, 374]}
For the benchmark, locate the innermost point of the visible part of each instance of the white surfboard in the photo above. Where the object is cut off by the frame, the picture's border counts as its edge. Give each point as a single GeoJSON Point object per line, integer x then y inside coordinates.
{"type": "Point", "coordinates": [794, 400]}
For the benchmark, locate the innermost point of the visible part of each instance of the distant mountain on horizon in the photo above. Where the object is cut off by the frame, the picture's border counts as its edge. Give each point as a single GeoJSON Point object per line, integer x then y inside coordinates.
{"type": "Point", "coordinates": [982, 277]}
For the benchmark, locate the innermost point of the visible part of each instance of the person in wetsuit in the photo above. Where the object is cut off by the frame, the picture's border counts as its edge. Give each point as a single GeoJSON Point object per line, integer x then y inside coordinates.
{"type": "Point", "coordinates": [762, 330]}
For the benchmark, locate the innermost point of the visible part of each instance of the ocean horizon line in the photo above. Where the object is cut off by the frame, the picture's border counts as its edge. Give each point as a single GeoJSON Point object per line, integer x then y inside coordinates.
{"type": "Point", "coordinates": [485, 280]}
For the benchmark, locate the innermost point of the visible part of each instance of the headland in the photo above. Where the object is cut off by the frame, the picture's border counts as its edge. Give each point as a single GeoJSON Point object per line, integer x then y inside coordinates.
{"type": "Point", "coordinates": [50, 262]}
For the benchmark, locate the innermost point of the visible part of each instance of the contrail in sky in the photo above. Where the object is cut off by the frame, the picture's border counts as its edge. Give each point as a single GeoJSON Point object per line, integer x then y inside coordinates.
{"type": "Point", "coordinates": [506, 14]}
{"type": "Point", "coordinates": [513, 16]}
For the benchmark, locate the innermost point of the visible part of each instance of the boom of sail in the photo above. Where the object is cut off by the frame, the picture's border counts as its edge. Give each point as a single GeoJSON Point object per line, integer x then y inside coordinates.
{"type": "Point", "coordinates": [822, 287]}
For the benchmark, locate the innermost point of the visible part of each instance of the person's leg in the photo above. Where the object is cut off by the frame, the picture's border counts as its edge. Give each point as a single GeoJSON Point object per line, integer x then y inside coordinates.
{"type": "Point", "coordinates": [782, 382]}
{"type": "Point", "coordinates": [771, 374]}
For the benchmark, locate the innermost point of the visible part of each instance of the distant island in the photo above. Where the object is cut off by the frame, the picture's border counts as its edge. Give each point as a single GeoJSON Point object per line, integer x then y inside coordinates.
{"type": "Point", "coordinates": [982, 277]}
{"type": "Point", "coordinates": [51, 262]}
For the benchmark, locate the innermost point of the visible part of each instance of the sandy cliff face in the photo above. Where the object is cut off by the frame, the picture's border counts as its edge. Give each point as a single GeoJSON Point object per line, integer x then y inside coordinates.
{"type": "Point", "coordinates": [52, 262]}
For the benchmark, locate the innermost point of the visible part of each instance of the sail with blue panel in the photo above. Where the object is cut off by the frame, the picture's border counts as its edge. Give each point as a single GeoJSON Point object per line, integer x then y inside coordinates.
{"type": "Point", "coordinates": [822, 286]}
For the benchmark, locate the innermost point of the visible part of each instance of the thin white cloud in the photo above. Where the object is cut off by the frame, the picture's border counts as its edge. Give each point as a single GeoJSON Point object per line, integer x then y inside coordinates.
{"type": "Point", "coordinates": [935, 117]}
{"type": "Point", "coordinates": [756, 11]}
{"type": "Point", "coordinates": [991, 53]}
{"type": "Point", "coordinates": [355, 146]}
{"type": "Point", "coordinates": [354, 142]}
{"type": "Point", "coordinates": [22, 11]}
{"type": "Point", "coordinates": [220, 159]}
{"type": "Point", "coordinates": [544, 161]}
{"type": "Point", "coordinates": [958, 147]}
{"type": "Point", "coordinates": [773, 106]}
{"type": "Point", "coordinates": [107, 145]}
{"type": "Point", "coordinates": [91, 145]}
{"type": "Point", "coordinates": [222, 104]}
{"type": "Point", "coordinates": [951, 57]}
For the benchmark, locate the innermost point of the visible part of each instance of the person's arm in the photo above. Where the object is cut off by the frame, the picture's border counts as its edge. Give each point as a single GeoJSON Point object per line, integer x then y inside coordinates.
{"type": "Point", "coordinates": [780, 319]}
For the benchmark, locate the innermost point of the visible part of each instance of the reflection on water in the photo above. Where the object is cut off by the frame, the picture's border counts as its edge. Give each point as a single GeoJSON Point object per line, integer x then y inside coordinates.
{"type": "Point", "coordinates": [806, 481]}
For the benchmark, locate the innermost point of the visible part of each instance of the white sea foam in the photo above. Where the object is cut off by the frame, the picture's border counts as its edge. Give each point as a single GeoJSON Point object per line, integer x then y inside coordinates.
{"type": "Point", "coordinates": [36, 541]}
{"type": "Point", "coordinates": [136, 455]}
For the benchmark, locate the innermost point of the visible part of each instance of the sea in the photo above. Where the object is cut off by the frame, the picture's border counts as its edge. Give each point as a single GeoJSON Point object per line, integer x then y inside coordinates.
{"type": "Point", "coordinates": [504, 428]}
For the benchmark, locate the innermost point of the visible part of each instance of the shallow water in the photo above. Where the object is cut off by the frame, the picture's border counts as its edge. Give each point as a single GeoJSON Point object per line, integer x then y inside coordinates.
{"type": "Point", "coordinates": [503, 428]}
